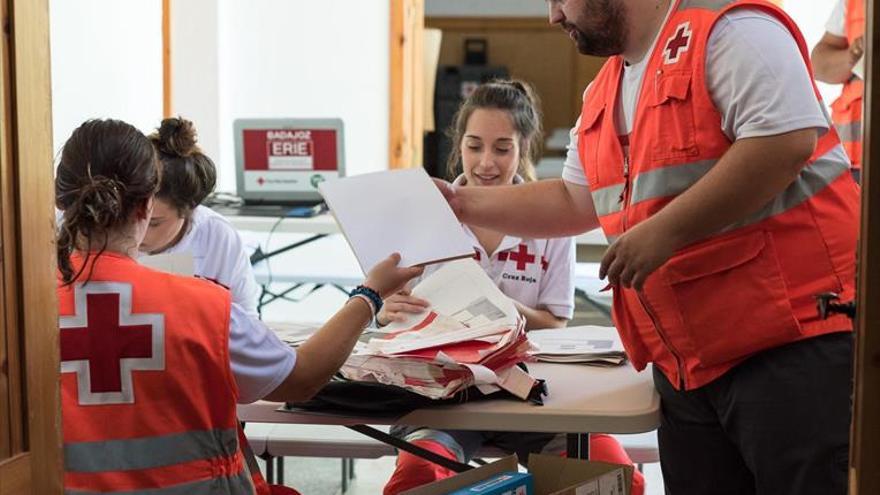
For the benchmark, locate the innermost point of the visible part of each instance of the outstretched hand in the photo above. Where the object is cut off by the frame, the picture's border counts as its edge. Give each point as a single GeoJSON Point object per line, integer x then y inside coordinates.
{"type": "Point", "coordinates": [387, 277]}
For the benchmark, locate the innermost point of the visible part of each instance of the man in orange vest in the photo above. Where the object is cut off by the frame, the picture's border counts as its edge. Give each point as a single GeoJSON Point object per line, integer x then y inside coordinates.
{"type": "Point", "coordinates": [704, 152]}
{"type": "Point", "coordinates": [838, 58]}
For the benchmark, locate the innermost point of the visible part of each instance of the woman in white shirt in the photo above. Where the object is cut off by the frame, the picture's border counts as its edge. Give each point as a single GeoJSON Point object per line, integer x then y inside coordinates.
{"type": "Point", "coordinates": [495, 138]}
{"type": "Point", "coordinates": [181, 225]}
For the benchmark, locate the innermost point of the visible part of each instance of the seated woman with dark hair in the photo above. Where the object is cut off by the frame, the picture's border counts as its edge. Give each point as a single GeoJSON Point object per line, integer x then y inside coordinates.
{"type": "Point", "coordinates": [153, 364]}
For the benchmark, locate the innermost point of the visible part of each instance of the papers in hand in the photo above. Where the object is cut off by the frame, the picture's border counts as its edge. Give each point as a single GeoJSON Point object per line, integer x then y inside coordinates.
{"type": "Point", "coordinates": [465, 304]}
{"type": "Point", "coordinates": [594, 345]}
{"type": "Point", "coordinates": [471, 335]}
{"type": "Point", "coordinates": [398, 211]}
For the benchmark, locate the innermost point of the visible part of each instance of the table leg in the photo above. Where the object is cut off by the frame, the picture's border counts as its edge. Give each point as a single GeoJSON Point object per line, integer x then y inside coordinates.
{"type": "Point", "coordinates": [578, 445]}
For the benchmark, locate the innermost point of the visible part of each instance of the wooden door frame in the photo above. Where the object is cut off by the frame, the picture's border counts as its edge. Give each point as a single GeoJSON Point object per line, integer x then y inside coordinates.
{"type": "Point", "coordinates": [865, 445]}
{"type": "Point", "coordinates": [406, 89]}
{"type": "Point", "coordinates": [29, 215]}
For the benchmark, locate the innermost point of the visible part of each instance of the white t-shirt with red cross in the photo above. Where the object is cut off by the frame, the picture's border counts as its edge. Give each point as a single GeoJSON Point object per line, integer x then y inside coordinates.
{"type": "Point", "coordinates": [537, 273]}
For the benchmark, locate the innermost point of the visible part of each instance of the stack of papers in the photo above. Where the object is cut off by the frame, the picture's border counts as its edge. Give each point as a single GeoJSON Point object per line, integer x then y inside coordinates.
{"type": "Point", "coordinates": [471, 335]}
{"type": "Point", "coordinates": [599, 346]}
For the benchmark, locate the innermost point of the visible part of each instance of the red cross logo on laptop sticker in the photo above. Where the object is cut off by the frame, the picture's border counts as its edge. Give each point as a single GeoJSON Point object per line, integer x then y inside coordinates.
{"type": "Point", "coordinates": [678, 43]}
{"type": "Point", "coordinates": [103, 343]}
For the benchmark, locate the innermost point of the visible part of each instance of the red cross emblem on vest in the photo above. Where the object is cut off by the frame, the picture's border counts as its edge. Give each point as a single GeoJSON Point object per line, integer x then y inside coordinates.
{"type": "Point", "coordinates": [678, 43]}
{"type": "Point", "coordinates": [104, 343]}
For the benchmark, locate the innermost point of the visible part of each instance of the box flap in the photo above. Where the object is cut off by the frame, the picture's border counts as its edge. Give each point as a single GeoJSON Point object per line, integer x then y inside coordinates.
{"type": "Point", "coordinates": [467, 478]}
{"type": "Point", "coordinates": [553, 474]}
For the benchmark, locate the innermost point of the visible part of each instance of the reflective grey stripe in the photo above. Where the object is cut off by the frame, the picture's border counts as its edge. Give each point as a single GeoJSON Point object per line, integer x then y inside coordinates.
{"type": "Point", "coordinates": [146, 453]}
{"type": "Point", "coordinates": [667, 181]}
{"type": "Point", "coordinates": [239, 484]}
{"type": "Point", "coordinates": [813, 179]}
{"type": "Point", "coordinates": [849, 132]}
{"type": "Point", "coordinates": [713, 5]}
{"type": "Point", "coordinates": [607, 199]}
{"type": "Point", "coordinates": [670, 180]}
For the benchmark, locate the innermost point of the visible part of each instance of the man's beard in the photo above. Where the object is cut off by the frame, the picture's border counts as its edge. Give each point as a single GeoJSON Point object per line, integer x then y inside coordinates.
{"type": "Point", "coordinates": [607, 32]}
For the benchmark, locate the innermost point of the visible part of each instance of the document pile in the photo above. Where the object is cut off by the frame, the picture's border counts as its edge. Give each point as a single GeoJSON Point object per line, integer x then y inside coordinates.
{"type": "Point", "coordinates": [599, 346]}
{"type": "Point", "coordinates": [471, 335]}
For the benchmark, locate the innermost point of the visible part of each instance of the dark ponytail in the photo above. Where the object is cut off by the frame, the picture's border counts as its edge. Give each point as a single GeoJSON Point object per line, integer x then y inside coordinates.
{"type": "Point", "coordinates": [188, 175]}
{"type": "Point", "coordinates": [107, 169]}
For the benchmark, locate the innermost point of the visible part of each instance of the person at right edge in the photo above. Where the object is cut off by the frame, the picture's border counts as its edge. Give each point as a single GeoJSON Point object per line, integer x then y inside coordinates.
{"type": "Point", "coordinates": [835, 61]}
{"type": "Point", "coordinates": [704, 152]}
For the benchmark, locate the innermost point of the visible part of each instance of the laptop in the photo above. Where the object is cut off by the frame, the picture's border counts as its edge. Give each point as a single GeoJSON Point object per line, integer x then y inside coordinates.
{"type": "Point", "coordinates": [280, 162]}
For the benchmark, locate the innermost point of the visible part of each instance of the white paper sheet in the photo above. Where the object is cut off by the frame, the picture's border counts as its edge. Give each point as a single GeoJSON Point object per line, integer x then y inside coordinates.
{"type": "Point", "coordinates": [397, 211]}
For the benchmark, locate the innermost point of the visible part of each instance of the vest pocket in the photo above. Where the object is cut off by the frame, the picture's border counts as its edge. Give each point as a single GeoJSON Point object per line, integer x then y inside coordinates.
{"type": "Point", "coordinates": [670, 116]}
{"type": "Point", "coordinates": [732, 298]}
{"type": "Point", "coordinates": [589, 143]}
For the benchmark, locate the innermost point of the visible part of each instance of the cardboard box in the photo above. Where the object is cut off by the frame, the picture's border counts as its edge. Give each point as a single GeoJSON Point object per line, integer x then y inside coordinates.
{"type": "Point", "coordinates": [507, 483]}
{"type": "Point", "coordinates": [552, 475]}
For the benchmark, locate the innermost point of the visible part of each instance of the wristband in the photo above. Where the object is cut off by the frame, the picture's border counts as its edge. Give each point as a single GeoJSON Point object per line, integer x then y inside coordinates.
{"type": "Point", "coordinates": [370, 305]}
{"type": "Point", "coordinates": [371, 295]}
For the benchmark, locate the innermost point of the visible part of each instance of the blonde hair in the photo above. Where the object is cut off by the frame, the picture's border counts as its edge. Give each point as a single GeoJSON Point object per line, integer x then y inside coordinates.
{"type": "Point", "coordinates": [519, 100]}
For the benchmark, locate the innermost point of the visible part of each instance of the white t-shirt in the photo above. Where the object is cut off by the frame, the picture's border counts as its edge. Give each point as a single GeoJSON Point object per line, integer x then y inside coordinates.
{"type": "Point", "coordinates": [836, 23]}
{"type": "Point", "coordinates": [259, 360]}
{"type": "Point", "coordinates": [538, 273]}
{"type": "Point", "coordinates": [756, 77]}
{"type": "Point", "coordinates": [219, 255]}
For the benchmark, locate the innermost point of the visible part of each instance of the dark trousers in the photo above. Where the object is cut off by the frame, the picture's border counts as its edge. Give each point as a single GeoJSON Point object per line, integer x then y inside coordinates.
{"type": "Point", "coordinates": [776, 424]}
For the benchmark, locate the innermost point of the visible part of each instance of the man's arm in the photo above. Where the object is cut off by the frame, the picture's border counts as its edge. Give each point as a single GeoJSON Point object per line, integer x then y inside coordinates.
{"type": "Point", "coordinates": [834, 58]}
{"type": "Point", "coordinates": [547, 208]}
{"type": "Point", "coordinates": [745, 179]}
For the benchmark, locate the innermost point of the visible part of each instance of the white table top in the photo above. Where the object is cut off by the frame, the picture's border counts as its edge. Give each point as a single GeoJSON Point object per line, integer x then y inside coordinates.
{"type": "Point", "coordinates": [326, 224]}
{"type": "Point", "coordinates": [582, 399]}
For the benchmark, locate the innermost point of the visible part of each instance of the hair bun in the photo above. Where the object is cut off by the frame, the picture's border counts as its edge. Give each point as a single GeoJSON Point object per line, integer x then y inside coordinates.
{"type": "Point", "coordinates": [101, 200]}
{"type": "Point", "coordinates": [176, 137]}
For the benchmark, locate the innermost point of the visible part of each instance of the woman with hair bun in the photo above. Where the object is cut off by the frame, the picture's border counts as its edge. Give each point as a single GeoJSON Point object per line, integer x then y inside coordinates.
{"type": "Point", "coordinates": [153, 364]}
{"type": "Point", "coordinates": [181, 224]}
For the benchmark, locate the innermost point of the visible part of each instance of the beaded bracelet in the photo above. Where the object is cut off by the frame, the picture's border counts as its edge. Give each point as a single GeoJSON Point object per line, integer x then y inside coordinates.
{"type": "Point", "coordinates": [373, 296]}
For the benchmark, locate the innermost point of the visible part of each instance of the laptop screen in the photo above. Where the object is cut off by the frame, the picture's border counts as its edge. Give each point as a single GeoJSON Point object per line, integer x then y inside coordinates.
{"type": "Point", "coordinates": [283, 160]}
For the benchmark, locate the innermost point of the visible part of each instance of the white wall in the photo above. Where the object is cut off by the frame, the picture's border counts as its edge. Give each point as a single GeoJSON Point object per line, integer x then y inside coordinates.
{"type": "Point", "coordinates": [195, 74]}
{"type": "Point", "coordinates": [488, 8]}
{"type": "Point", "coordinates": [106, 62]}
{"type": "Point", "coordinates": [277, 58]}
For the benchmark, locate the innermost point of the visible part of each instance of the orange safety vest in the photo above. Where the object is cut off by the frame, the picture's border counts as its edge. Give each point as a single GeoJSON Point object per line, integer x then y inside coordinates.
{"type": "Point", "coordinates": [846, 110]}
{"type": "Point", "coordinates": [148, 396]}
{"type": "Point", "coordinates": [741, 291]}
